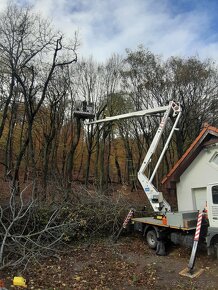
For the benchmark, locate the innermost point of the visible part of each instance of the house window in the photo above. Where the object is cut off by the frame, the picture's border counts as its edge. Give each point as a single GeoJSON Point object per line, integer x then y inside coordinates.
{"type": "Point", "coordinates": [214, 159]}
{"type": "Point", "coordinates": [215, 194]}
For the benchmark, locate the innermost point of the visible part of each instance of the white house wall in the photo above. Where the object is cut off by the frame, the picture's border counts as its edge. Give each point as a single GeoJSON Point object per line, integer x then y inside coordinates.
{"type": "Point", "coordinates": [198, 175]}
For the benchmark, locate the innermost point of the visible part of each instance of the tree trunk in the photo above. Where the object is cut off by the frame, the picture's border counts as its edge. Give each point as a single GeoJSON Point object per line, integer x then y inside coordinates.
{"type": "Point", "coordinates": [89, 150]}
{"type": "Point", "coordinates": [119, 175]}
{"type": "Point", "coordinates": [102, 172]}
{"type": "Point", "coordinates": [70, 155]}
{"type": "Point", "coordinates": [10, 137]}
{"type": "Point", "coordinates": [97, 157]}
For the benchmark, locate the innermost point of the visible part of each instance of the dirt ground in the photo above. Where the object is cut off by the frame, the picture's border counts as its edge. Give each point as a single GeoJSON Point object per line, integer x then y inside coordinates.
{"type": "Point", "coordinates": [128, 264]}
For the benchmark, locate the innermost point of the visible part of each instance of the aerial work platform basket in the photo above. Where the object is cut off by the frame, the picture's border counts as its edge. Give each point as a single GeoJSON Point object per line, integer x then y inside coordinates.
{"type": "Point", "coordinates": [84, 110]}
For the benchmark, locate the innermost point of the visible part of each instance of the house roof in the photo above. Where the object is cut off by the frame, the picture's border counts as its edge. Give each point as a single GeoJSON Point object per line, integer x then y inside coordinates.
{"type": "Point", "coordinates": [209, 135]}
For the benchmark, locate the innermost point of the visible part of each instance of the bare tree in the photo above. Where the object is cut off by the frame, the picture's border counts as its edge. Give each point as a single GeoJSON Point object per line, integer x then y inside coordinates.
{"type": "Point", "coordinates": [32, 53]}
{"type": "Point", "coordinates": [150, 82]}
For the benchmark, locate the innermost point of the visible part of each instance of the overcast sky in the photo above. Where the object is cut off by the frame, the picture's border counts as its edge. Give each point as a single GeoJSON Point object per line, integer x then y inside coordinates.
{"type": "Point", "coordinates": [166, 27]}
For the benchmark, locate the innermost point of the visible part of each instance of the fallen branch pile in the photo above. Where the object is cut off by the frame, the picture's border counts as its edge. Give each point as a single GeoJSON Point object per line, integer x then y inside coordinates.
{"type": "Point", "coordinates": [30, 230]}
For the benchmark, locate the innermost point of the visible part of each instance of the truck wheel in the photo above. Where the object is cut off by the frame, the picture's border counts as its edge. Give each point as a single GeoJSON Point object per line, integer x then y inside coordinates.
{"type": "Point", "coordinates": [151, 238]}
{"type": "Point", "coordinates": [216, 250]}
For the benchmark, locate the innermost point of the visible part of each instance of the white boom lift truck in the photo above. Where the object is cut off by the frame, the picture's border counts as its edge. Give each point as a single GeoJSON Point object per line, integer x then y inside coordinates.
{"type": "Point", "coordinates": [179, 227]}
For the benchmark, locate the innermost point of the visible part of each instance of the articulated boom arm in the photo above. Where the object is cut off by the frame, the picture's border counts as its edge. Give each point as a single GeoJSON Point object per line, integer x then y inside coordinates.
{"type": "Point", "coordinates": [155, 197]}
{"type": "Point", "coordinates": [141, 113]}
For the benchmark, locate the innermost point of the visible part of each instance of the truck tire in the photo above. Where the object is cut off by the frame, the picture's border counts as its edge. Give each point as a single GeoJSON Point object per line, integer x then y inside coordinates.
{"type": "Point", "coordinates": [216, 250]}
{"type": "Point", "coordinates": [151, 237]}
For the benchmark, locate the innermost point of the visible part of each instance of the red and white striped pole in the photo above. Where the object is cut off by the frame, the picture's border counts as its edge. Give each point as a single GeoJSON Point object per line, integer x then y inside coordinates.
{"type": "Point", "coordinates": [125, 223]}
{"type": "Point", "coordinates": [195, 244]}
{"type": "Point", "coordinates": [128, 218]}
{"type": "Point", "coordinates": [198, 228]}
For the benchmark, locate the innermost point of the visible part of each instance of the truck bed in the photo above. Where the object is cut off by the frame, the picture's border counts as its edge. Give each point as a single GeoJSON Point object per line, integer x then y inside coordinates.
{"type": "Point", "coordinates": [156, 222]}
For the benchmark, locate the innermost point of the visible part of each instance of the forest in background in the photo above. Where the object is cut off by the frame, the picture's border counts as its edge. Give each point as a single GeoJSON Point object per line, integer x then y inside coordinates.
{"type": "Point", "coordinates": [42, 81]}
{"type": "Point", "coordinates": [45, 149]}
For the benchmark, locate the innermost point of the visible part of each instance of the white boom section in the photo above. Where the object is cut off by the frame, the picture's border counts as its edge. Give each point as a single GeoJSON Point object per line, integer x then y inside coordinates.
{"type": "Point", "coordinates": [131, 115]}
{"type": "Point", "coordinates": [155, 197]}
